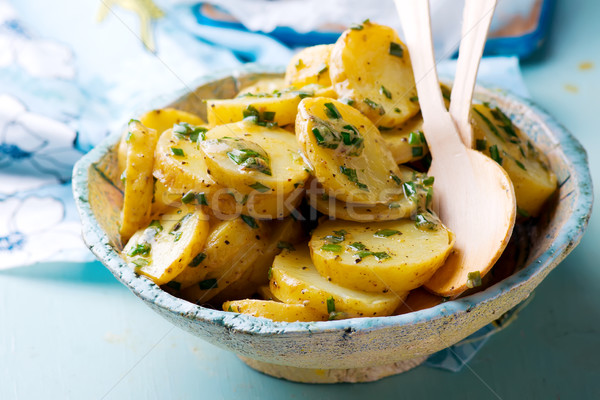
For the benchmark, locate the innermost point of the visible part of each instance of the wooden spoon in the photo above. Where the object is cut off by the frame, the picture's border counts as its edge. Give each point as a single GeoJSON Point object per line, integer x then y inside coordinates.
{"type": "Point", "coordinates": [477, 17]}
{"type": "Point", "coordinates": [473, 195]}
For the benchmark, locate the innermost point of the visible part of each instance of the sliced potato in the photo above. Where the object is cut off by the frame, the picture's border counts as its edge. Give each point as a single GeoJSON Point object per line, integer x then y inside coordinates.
{"type": "Point", "coordinates": [347, 152]}
{"type": "Point", "coordinates": [188, 175]}
{"type": "Point", "coordinates": [282, 235]}
{"type": "Point", "coordinates": [137, 176]}
{"type": "Point", "coordinates": [371, 67]}
{"type": "Point", "coordinates": [168, 245]}
{"type": "Point", "coordinates": [497, 137]}
{"type": "Point", "coordinates": [264, 292]}
{"type": "Point", "coordinates": [295, 280]}
{"type": "Point", "coordinates": [406, 142]}
{"type": "Point", "coordinates": [404, 207]}
{"type": "Point", "coordinates": [394, 256]}
{"type": "Point", "coordinates": [165, 118]}
{"type": "Point", "coordinates": [277, 108]}
{"type": "Point", "coordinates": [275, 311]}
{"type": "Point", "coordinates": [262, 86]}
{"type": "Point", "coordinates": [310, 65]}
{"type": "Point", "coordinates": [253, 158]}
{"type": "Point", "coordinates": [232, 247]}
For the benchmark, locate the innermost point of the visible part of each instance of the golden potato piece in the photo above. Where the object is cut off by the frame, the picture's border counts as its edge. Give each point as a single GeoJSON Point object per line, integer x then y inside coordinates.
{"type": "Point", "coordinates": [406, 142]}
{"type": "Point", "coordinates": [371, 68]}
{"type": "Point", "coordinates": [253, 158]}
{"type": "Point", "coordinates": [275, 311]}
{"type": "Point", "coordinates": [137, 177]}
{"type": "Point", "coordinates": [168, 245]}
{"type": "Point", "coordinates": [263, 86]}
{"type": "Point", "coordinates": [347, 152]}
{"type": "Point", "coordinates": [296, 281]}
{"type": "Point", "coordinates": [282, 235]}
{"type": "Point", "coordinates": [497, 137]}
{"type": "Point", "coordinates": [165, 118]}
{"type": "Point", "coordinates": [232, 247]}
{"type": "Point", "coordinates": [310, 65]}
{"type": "Point", "coordinates": [394, 256]}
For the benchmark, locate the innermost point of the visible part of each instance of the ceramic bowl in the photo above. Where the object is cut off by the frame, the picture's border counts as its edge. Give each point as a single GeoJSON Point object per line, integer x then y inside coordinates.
{"type": "Point", "coordinates": [359, 349]}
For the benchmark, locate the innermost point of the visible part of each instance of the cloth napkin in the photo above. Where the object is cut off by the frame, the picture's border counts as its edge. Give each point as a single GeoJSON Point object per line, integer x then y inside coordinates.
{"type": "Point", "coordinates": [66, 81]}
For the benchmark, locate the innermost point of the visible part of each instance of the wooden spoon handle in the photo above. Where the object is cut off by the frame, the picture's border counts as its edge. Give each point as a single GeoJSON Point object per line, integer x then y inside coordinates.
{"type": "Point", "coordinates": [477, 17]}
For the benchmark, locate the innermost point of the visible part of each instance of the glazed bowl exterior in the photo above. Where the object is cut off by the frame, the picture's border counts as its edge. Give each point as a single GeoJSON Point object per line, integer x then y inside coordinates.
{"type": "Point", "coordinates": [358, 342]}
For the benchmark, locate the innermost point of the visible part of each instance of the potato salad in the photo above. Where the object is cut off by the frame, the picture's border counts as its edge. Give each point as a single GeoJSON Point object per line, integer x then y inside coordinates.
{"type": "Point", "coordinates": [306, 197]}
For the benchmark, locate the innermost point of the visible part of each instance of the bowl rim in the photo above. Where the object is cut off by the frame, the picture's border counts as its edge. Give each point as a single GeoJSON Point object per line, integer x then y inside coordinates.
{"type": "Point", "coordinates": [567, 237]}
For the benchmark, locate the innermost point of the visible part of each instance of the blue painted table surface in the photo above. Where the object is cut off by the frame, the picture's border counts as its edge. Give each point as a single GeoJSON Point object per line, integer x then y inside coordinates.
{"type": "Point", "coordinates": [72, 331]}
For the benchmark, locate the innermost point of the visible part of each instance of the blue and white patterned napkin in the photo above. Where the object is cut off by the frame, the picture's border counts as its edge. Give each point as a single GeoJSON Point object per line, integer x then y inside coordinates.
{"type": "Point", "coordinates": [66, 81]}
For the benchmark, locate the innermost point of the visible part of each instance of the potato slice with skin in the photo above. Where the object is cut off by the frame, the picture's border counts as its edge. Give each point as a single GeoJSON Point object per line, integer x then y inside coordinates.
{"type": "Point", "coordinates": [165, 248]}
{"type": "Point", "coordinates": [347, 152]}
{"type": "Point", "coordinates": [386, 256]}
{"type": "Point", "coordinates": [139, 185]}
{"type": "Point", "coordinates": [282, 235]}
{"type": "Point", "coordinates": [284, 106]}
{"type": "Point", "coordinates": [527, 168]}
{"type": "Point", "coordinates": [275, 311]}
{"type": "Point", "coordinates": [253, 158]}
{"type": "Point", "coordinates": [188, 173]}
{"type": "Point", "coordinates": [404, 207]}
{"type": "Point", "coordinates": [406, 142]}
{"type": "Point", "coordinates": [267, 85]}
{"type": "Point", "coordinates": [232, 247]}
{"type": "Point", "coordinates": [296, 281]}
{"type": "Point", "coordinates": [372, 68]}
{"type": "Point", "coordinates": [310, 65]}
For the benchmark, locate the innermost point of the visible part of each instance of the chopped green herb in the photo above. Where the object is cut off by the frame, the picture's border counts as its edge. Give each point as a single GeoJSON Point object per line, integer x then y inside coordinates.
{"type": "Point", "coordinates": [422, 222]}
{"type": "Point", "coordinates": [356, 27]}
{"type": "Point", "coordinates": [429, 181]}
{"type": "Point", "coordinates": [254, 159]}
{"type": "Point", "coordinates": [507, 124]}
{"type": "Point", "coordinates": [251, 222]}
{"type": "Point", "coordinates": [374, 105]}
{"type": "Point", "coordinates": [429, 197]}
{"type": "Point", "coordinates": [188, 197]}
{"type": "Point", "coordinates": [197, 260]}
{"type": "Point", "coordinates": [201, 199]}
{"type": "Point", "coordinates": [520, 165]}
{"type": "Point", "coordinates": [385, 92]}
{"type": "Point", "coordinates": [260, 187]}
{"type": "Point", "coordinates": [394, 205]}
{"type": "Point", "coordinates": [176, 235]}
{"type": "Point", "coordinates": [266, 118]}
{"type": "Point", "coordinates": [397, 110]}
{"type": "Point", "coordinates": [396, 179]}
{"type": "Point", "coordinates": [140, 262]}
{"type": "Point", "coordinates": [331, 111]}
{"type": "Point", "coordinates": [473, 279]}
{"type": "Point", "coordinates": [332, 141]}
{"type": "Point", "coordinates": [414, 99]}
{"type": "Point", "coordinates": [396, 50]}
{"type": "Point", "coordinates": [177, 152]}
{"type": "Point", "coordinates": [522, 212]}
{"type": "Point", "coordinates": [489, 123]}
{"type": "Point", "coordinates": [495, 155]}
{"type": "Point", "coordinates": [185, 130]}
{"type": "Point", "coordinates": [481, 144]}
{"type": "Point", "coordinates": [230, 309]}
{"type": "Point", "coordinates": [357, 246]}
{"type": "Point", "coordinates": [386, 233]}
{"type": "Point", "coordinates": [350, 102]}
{"type": "Point", "coordinates": [330, 305]}
{"type": "Point", "coordinates": [414, 138]}
{"type": "Point", "coordinates": [285, 245]}
{"type": "Point", "coordinates": [269, 115]}
{"type": "Point", "coordinates": [409, 189]}
{"type": "Point", "coordinates": [385, 128]}
{"type": "Point", "coordinates": [124, 177]}
{"type": "Point", "coordinates": [353, 177]}
{"type": "Point", "coordinates": [142, 249]}
{"type": "Point", "coordinates": [323, 68]}
{"type": "Point", "coordinates": [174, 285]}
{"type": "Point", "coordinates": [417, 151]}
{"type": "Point", "coordinates": [208, 284]}
{"type": "Point", "coordinates": [381, 255]}
{"type": "Point", "coordinates": [336, 248]}
{"type": "Point", "coordinates": [337, 237]}
{"type": "Point", "coordinates": [155, 224]}
{"type": "Point", "coordinates": [270, 273]}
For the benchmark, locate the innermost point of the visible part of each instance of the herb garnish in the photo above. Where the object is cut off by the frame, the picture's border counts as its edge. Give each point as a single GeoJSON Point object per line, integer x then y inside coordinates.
{"type": "Point", "coordinates": [357, 246]}
{"type": "Point", "coordinates": [174, 285]}
{"type": "Point", "coordinates": [208, 284]}
{"type": "Point", "coordinates": [260, 187]}
{"type": "Point", "coordinates": [251, 222]}
{"type": "Point", "coordinates": [353, 177]}
{"type": "Point", "coordinates": [383, 233]}
{"type": "Point", "coordinates": [187, 131]}
{"type": "Point", "coordinates": [396, 50]}
{"type": "Point", "coordinates": [336, 248]}
{"type": "Point", "coordinates": [197, 260]}
{"type": "Point", "coordinates": [177, 152]}
{"type": "Point", "coordinates": [481, 144]}
{"type": "Point", "coordinates": [331, 111]}
{"type": "Point", "coordinates": [337, 237]}
{"type": "Point", "coordinates": [142, 249]}
{"type": "Point", "coordinates": [285, 245]}
{"type": "Point", "coordinates": [246, 157]}
{"type": "Point", "coordinates": [495, 155]}
{"type": "Point", "coordinates": [473, 279]}
{"type": "Point", "coordinates": [374, 105]}
{"type": "Point", "coordinates": [385, 92]}
{"type": "Point", "coordinates": [188, 197]}
{"type": "Point", "coordinates": [330, 305]}
{"type": "Point", "coordinates": [266, 118]}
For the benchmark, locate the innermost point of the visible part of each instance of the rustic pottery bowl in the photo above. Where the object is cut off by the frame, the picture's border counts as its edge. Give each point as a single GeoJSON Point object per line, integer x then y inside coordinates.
{"type": "Point", "coordinates": [359, 349]}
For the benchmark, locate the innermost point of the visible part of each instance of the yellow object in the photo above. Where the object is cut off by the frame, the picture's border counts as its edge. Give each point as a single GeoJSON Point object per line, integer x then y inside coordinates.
{"type": "Point", "coordinates": [347, 153]}
{"type": "Point", "coordinates": [311, 65]}
{"type": "Point", "coordinates": [371, 68]}
{"type": "Point", "coordinates": [398, 141]}
{"type": "Point", "coordinates": [296, 281]}
{"type": "Point", "coordinates": [394, 256]}
{"type": "Point", "coordinates": [263, 86]}
{"type": "Point", "coordinates": [528, 169]}
{"type": "Point", "coordinates": [137, 177]}
{"type": "Point", "coordinates": [168, 245]}
{"type": "Point", "coordinates": [165, 118]}
{"type": "Point", "coordinates": [274, 310]}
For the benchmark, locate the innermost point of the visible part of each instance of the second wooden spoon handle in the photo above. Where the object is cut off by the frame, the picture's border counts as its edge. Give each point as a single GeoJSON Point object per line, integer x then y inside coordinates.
{"type": "Point", "coordinates": [477, 17]}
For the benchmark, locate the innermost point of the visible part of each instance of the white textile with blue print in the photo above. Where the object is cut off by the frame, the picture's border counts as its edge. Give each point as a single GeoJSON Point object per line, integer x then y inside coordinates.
{"type": "Point", "coordinates": [68, 80]}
